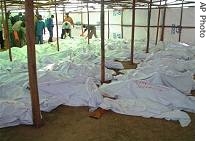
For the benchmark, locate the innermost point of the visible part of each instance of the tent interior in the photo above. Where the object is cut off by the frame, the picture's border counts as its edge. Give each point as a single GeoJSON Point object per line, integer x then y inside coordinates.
{"type": "Point", "coordinates": [138, 72]}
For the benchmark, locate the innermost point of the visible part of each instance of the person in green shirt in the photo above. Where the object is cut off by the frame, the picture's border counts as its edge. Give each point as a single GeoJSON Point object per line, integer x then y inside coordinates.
{"type": "Point", "coordinates": [20, 31]}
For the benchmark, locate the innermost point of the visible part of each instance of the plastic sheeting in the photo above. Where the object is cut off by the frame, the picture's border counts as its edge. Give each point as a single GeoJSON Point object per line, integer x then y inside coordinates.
{"type": "Point", "coordinates": [164, 71]}
{"type": "Point", "coordinates": [14, 113]}
{"type": "Point", "coordinates": [141, 98]}
{"type": "Point", "coordinates": [69, 77]}
{"type": "Point", "coordinates": [145, 108]}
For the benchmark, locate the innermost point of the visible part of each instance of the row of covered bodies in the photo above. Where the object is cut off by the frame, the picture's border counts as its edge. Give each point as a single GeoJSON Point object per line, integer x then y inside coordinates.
{"type": "Point", "coordinates": [159, 87]}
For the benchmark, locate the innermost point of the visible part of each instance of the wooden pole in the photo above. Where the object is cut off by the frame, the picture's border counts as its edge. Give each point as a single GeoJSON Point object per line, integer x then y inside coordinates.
{"type": "Point", "coordinates": [122, 22]}
{"type": "Point", "coordinates": [108, 24]}
{"type": "Point", "coordinates": [2, 11]}
{"type": "Point", "coordinates": [102, 44]}
{"type": "Point", "coordinates": [2, 15]}
{"type": "Point", "coordinates": [63, 12]}
{"type": "Point", "coordinates": [56, 18]}
{"type": "Point", "coordinates": [81, 18]}
{"type": "Point", "coordinates": [88, 18]}
{"type": "Point", "coordinates": [180, 24]}
{"type": "Point", "coordinates": [37, 8]}
{"type": "Point", "coordinates": [163, 23]}
{"type": "Point", "coordinates": [148, 26]}
{"type": "Point", "coordinates": [7, 36]}
{"type": "Point", "coordinates": [30, 36]}
{"type": "Point", "coordinates": [158, 22]}
{"type": "Point", "coordinates": [133, 30]}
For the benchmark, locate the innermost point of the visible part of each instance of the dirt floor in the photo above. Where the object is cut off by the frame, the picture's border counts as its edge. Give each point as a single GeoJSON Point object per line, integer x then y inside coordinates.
{"type": "Point", "coordinates": [73, 124]}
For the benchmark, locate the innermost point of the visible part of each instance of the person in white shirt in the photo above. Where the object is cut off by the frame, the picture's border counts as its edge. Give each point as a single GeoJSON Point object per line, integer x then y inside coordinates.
{"type": "Point", "coordinates": [66, 28]}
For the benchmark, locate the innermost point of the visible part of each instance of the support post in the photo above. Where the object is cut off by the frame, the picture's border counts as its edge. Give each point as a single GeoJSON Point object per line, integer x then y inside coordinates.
{"type": "Point", "coordinates": [148, 25]}
{"type": "Point", "coordinates": [81, 19]}
{"type": "Point", "coordinates": [56, 18]}
{"type": "Point", "coordinates": [163, 22]}
{"type": "Point", "coordinates": [102, 44]}
{"type": "Point", "coordinates": [133, 30]}
{"type": "Point", "coordinates": [30, 36]}
{"type": "Point", "coordinates": [180, 24]}
{"type": "Point", "coordinates": [122, 23]}
{"type": "Point", "coordinates": [108, 24]}
{"type": "Point", "coordinates": [158, 22]}
{"type": "Point", "coordinates": [63, 12]}
{"type": "Point", "coordinates": [88, 18]}
{"type": "Point", "coordinates": [7, 36]}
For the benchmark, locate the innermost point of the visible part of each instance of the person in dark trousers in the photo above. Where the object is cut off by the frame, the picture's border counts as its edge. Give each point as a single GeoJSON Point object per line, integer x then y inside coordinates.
{"type": "Point", "coordinates": [50, 25]}
{"type": "Point", "coordinates": [66, 27]}
{"type": "Point", "coordinates": [67, 18]}
{"type": "Point", "coordinates": [92, 31]}
{"type": "Point", "coordinates": [39, 30]}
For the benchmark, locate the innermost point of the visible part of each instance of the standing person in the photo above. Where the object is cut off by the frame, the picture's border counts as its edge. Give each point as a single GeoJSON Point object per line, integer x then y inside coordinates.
{"type": "Point", "coordinates": [50, 25]}
{"type": "Point", "coordinates": [92, 31]}
{"type": "Point", "coordinates": [19, 33]}
{"type": "Point", "coordinates": [70, 20]}
{"type": "Point", "coordinates": [10, 30]}
{"type": "Point", "coordinates": [19, 17]}
{"type": "Point", "coordinates": [39, 30]}
{"type": "Point", "coordinates": [66, 27]}
{"type": "Point", "coordinates": [36, 16]}
{"type": "Point", "coordinates": [11, 18]}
